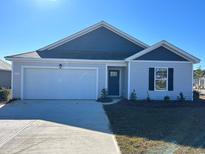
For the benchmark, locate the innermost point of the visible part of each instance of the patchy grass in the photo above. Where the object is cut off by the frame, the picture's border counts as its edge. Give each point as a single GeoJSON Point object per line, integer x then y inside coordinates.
{"type": "Point", "coordinates": [158, 127]}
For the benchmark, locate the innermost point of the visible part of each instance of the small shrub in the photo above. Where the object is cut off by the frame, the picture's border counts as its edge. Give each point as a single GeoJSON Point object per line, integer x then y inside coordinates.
{"type": "Point", "coordinates": [166, 99]}
{"type": "Point", "coordinates": [104, 96]}
{"type": "Point", "coordinates": [4, 94]}
{"type": "Point", "coordinates": [133, 96]}
{"type": "Point", "coordinates": [196, 95]}
{"type": "Point", "coordinates": [181, 97]}
{"type": "Point", "coordinates": [148, 97]}
{"type": "Point", "coordinates": [104, 93]}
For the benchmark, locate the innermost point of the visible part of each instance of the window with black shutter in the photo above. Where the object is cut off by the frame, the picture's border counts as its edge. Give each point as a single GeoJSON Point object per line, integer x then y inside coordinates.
{"type": "Point", "coordinates": [151, 79]}
{"type": "Point", "coordinates": [161, 79]}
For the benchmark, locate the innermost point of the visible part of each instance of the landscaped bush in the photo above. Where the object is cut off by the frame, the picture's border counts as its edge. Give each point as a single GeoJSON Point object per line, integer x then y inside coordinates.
{"type": "Point", "coordinates": [166, 99]}
{"type": "Point", "coordinates": [181, 97]}
{"type": "Point", "coordinates": [104, 93]}
{"type": "Point", "coordinates": [104, 96]}
{"type": "Point", "coordinates": [133, 96]}
{"type": "Point", "coordinates": [196, 95]}
{"type": "Point", "coordinates": [4, 94]}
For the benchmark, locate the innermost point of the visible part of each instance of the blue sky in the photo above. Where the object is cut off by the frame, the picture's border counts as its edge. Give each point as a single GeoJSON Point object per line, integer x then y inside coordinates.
{"type": "Point", "coordinates": [27, 25]}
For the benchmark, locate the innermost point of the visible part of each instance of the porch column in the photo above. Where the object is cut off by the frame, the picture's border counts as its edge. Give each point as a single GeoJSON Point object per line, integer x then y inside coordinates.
{"type": "Point", "coordinates": [128, 80]}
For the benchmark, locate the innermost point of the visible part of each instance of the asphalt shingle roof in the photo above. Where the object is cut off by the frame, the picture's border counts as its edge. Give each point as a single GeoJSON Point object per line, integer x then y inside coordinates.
{"type": "Point", "coordinates": [98, 44]}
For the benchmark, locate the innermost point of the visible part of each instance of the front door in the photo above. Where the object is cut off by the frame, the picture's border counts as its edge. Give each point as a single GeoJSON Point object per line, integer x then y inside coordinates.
{"type": "Point", "coordinates": [114, 82]}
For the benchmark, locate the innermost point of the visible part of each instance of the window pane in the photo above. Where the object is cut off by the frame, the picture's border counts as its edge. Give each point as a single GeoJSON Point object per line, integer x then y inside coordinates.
{"type": "Point", "coordinates": [113, 74]}
{"type": "Point", "coordinates": [161, 73]}
{"type": "Point", "coordinates": [161, 84]}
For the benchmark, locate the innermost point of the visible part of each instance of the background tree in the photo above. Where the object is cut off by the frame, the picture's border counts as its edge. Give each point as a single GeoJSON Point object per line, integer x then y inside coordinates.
{"type": "Point", "coordinates": [198, 73]}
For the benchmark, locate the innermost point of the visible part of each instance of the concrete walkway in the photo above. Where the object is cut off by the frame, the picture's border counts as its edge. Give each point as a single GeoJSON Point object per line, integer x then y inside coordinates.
{"type": "Point", "coordinates": [55, 127]}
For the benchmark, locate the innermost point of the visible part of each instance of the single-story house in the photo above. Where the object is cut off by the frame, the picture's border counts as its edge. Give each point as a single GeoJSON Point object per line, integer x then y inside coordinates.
{"type": "Point", "coordinates": [102, 56]}
{"type": "Point", "coordinates": [5, 74]}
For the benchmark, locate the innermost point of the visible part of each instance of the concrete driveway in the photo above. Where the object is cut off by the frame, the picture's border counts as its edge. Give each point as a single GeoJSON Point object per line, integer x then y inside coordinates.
{"type": "Point", "coordinates": [57, 126]}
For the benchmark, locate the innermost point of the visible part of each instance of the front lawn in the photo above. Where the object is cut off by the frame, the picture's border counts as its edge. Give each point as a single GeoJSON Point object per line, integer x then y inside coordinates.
{"type": "Point", "coordinates": [158, 127]}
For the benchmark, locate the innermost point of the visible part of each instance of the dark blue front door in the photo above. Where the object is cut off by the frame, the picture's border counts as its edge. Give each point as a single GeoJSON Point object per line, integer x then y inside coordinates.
{"type": "Point", "coordinates": [113, 82]}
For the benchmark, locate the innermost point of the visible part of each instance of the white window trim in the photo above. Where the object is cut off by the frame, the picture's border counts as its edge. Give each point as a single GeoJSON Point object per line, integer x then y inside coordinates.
{"type": "Point", "coordinates": [167, 82]}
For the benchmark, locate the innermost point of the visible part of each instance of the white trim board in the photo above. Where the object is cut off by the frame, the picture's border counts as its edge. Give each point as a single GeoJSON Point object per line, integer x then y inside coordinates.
{"type": "Point", "coordinates": [106, 77]}
{"type": "Point", "coordinates": [158, 61]}
{"type": "Point", "coordinates": [192, 82]}
{"type": "Point", "coordinates": [12, 79]}
{"type": "Point", "coordinates": [91, 28]}
{"type": "Point", "coordinates": [53, 67]}
{"type": "Point", "coordinates": [59, 60]}
{"type": "Point", "coordinates": [170, 47]}
{"type": "Point", "coordinates": [128, 80]}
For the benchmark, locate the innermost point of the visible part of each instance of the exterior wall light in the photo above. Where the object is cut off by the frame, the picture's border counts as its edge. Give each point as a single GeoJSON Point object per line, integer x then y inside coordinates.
{"type": "Point", "coordinates": [60, 66]}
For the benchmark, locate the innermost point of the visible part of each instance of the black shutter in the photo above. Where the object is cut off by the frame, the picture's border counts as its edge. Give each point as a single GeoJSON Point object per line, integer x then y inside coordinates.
{"type": "Point", "coordinates": [151, 79]}
{"type": "Point", "coordinates": [170, 79]}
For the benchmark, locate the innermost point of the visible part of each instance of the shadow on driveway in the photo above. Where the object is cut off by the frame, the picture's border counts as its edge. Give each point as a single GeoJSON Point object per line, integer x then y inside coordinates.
{"type": "Point", "coordinates": [87, 114]}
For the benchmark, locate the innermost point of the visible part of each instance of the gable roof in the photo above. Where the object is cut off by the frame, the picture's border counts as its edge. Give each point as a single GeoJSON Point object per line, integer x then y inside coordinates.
{"type": "Point", "coordinates": [98, 42]}
{"type": "Point", "coordinates": [161, 54]}
{"type": "Point", "coordinates": [101, 41]}
{"type": "Point", "coordinates": [170, 47]}
{"type": "Point", "coordinates": [94, 27]}
{"type": "Point", "coordinates": [4, 65]}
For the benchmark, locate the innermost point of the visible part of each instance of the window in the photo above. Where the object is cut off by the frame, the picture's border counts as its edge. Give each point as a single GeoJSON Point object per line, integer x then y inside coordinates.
{"type": "Point", "coordinates": [161, 79]}
{"type": "Point", "coordinates": [113, 74]}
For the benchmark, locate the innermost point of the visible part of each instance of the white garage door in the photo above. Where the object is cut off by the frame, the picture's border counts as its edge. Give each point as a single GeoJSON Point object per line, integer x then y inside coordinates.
{"type": "Point", "coordinates": [52, 83]}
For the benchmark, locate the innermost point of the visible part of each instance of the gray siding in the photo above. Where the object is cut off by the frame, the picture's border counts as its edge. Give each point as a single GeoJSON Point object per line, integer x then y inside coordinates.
{"type": "Point", "coordinates": [5, 78]}
{"type": "Point", "coordinates": [97, 44]}
{"type": "Point", "coordinates": [17, 74]}
{"type": "Point", "coordinates": [18, 65]}
{"type": "Point", "coordinates": [162, 54]}
{"type": "Point", "coordinates": [139, 74]}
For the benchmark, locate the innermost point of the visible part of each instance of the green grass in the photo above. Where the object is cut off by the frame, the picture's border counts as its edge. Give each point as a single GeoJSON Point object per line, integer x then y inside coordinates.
{"type": "Point", "coordinates": [158, 127]}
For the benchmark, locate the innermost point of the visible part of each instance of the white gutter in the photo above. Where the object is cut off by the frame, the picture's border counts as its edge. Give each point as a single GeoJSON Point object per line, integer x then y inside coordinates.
{"type": "Point", "coordinates": [54, 60]}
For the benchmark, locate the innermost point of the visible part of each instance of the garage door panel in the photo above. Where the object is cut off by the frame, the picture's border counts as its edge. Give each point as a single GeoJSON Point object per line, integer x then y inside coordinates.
{"type": "Point", "coordinates": [41, 83]}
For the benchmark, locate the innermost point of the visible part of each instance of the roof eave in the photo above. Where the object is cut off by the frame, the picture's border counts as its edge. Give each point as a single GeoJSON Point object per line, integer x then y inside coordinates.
{"type": "Point", "coordinates": [60, 59]}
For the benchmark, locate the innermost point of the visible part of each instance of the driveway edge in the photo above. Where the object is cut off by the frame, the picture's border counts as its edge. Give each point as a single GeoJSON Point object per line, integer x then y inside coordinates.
{"type": "Point", "coordinates": [2, 105]}
{"type": "Point", "coordinates": [116, 144]}
{"type": "Point", "coordinates": [113, 135]}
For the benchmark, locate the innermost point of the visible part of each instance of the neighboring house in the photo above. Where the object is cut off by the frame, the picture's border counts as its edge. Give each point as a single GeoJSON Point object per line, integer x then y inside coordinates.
{"type": "Point", "coordinates": [199, 83]}
{"type": "Point", "coordinates": [5, 74]}
{"type": "Point", "coordinates": [202, 83]}
{"type": "Point", "coordinates": [102, 56]}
